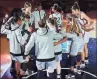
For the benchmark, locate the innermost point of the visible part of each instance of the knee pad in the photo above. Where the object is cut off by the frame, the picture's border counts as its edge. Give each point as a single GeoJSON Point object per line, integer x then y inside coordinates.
{"type": "Point", "coordinates": [78, 57]}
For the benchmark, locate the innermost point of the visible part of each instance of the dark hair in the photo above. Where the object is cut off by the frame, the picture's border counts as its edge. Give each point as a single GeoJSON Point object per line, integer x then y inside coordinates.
{"type": "Point", "coordinates": [18, 10]}
{"type": "Point", "coordinates": [52, 21]}
{"type": "Point", "coordinates": [16, 17]}
{"type": "Point", "coordinates": [59, 9]}
{"type": "Point", "coordinates": [75, 6]}
{"type": "Point", "coordinates": [26, 16]}
{"type": "Point", "coordinates": [39, 4]}
{"type": "Point", "coordinates": [56, 7]}
{"type": "Point", "coordinates": [41, 23]}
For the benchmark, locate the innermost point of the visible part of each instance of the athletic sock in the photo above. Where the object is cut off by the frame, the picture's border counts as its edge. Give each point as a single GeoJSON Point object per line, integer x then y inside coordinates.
{"type": "Point", "coordinates": [86, 58]}
{"type": "Point", "coordinates": [58, 76]}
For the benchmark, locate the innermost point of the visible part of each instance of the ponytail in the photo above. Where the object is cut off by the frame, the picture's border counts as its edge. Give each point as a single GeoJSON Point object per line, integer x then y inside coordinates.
{"type": "Point", "coordinates": [75, 6]}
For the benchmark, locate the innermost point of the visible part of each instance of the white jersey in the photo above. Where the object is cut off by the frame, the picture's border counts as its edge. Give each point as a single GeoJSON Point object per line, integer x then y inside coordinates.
{"type": "Point", "coordinates": [86, 34]}
{"type": "Point", "coordinates": [44, 43]}
{"type": "Point", "coordinates": [36, 16]}
{"type": "Point", "coordinates": [57, 48]}
{"type": "Point", "coordinates": [16, 39]}
{"type": "Point", "coordinates": [58, 18]}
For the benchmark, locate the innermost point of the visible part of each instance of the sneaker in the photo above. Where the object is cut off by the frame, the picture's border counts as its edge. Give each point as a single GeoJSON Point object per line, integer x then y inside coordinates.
{"type": "Point", "coordinates": [86, 61]}
{"type": "Point", "coordinates": [75, 70]}
{"type": "Point", "coordinates": [82, 65]}
{"type": "Point", "coordinates": [58, 76]}
{"type": "Point", "coordinates": [69, 76]}
{"type": "Point", "coordinates": [29, 72]}
{"type": "Point", "coordinates": [26, 73]}
{"type": "Point", "coordinates": [72, 76]}
{"type": "Point", "coordinates": [79, 72]}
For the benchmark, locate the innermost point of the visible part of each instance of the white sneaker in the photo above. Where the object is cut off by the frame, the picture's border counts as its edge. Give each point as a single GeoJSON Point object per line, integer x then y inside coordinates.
{"type": "Point", "coordinates": [79, 72]}
{"type": "Point", "coordinates": [75, 70]}
{"type": "Point", "coordinates": [82, 65]}
{"type": "Point", "coordinates": [28, 72]}
{"type": "Point", "coordinates": [86, 61]}
{"type": "Point", "coordinates": [69, 76]}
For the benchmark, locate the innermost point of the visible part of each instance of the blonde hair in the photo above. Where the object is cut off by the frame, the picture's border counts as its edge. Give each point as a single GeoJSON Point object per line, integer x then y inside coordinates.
{"type": "Point", "coordinates": [27, 4]}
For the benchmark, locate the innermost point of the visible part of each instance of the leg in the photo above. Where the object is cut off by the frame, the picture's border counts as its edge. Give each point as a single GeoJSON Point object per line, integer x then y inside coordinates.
{"type": "Point", "coordinates": [23, 66]}
{"type": "Point", "coordinates": [78, 57]}
{"type": "Point", "coordinates": [86, 40]}
{"type": "Point", "coordinates": [86, 53]}
{"type": "Point", "coordinates": [51, 66]}
{"type": "Point", "coordinates": [13, 69]}
{"type": "Point", "coordinates": [40, 67]}
{"type": "Point", "coordinates": [40, 74]}
{"type": "Point", "coordinates": [83, 57]}
{"type": "Point", "coordinates": [23, 69]}
{"type": "Point", "coordinates": [72, 64]}
{"type": "Point", "coordinates": [58, 70]}
{"type": "Point", "coordinates": [58, 65]}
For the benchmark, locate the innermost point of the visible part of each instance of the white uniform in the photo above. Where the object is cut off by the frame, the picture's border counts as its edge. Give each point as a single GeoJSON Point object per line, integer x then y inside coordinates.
{"type": "Point", "coordinates": [57, 48]}
{"type": "Point", "coordinates": [15, 40]}
{"type": "Point", "coordinates": [86, 34]}
{"type": "Point", "coordinates": [58, 18]}
{"type": "Point", "coordinates": [44, 45]}
{"type": "Point", "coordinates": [36, 16]}
{"type": "Point", "coordinates": [76, 45]}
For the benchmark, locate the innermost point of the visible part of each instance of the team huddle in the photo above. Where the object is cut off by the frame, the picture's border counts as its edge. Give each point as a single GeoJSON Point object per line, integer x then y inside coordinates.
{"type": "Point", "coordinates": [45, 33]}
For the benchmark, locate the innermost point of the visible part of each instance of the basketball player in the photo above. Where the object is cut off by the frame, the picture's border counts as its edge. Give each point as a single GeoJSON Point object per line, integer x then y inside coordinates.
{"type": "Point", "coordinates": [76, 47]}
{"type": "Point", "coordinates": [27, 8]}
{"type": "Point", "coordinates": [83, 21]}
{"type": "Point", "coordinates": [44, 44]}
{"type": "Point", "coordinates": [37, 15]}
{"type": "Point", "coordinates": [57, 48]}
{"type": "Point", "coordinates": [12, 27]}
{"type": "Point", "coordinates": [57, 16]}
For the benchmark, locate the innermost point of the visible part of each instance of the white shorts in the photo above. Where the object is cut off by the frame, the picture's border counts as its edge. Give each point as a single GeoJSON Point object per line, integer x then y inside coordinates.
{"type": "Point", "coordinates": [86, 37]}
{"type": "Point", "coordinates": [50, 66]}
{"type": "Point", "coordinates": [77, 46]}
{"type": "Point", "coordinates": [58, 58]}
{"type": "Point", "coordinates": [18, 58]}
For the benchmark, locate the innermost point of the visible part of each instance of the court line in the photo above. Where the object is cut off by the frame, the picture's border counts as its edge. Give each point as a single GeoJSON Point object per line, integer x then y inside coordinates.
{"type": "Point", "coordinates": [64, 69]}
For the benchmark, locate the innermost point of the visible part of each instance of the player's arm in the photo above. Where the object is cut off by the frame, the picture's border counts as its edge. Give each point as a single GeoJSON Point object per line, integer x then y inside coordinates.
{"type": "Point", "coordinates": [88, 19]}
{"type": "Point", "coordinates": [5, 28]}
{"type": "Point", "coordinates": [60, 42]}
{"type": "Point", "coordinates": [30, 44]}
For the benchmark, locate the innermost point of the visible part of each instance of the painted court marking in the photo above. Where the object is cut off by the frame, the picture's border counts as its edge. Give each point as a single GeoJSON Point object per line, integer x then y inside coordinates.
{"type": "Point", "coordinates": [64, 69]}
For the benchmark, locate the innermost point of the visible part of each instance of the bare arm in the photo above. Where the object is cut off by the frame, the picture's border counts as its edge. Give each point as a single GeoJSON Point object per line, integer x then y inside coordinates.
{"type": "Point", "coordinates": [61, 41]}
{"type": "Point", "coordinates": [89, 20]}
